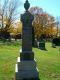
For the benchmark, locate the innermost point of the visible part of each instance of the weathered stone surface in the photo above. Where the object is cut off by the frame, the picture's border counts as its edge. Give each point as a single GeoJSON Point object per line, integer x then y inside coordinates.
{"type": "Point", "coordinates": [42, 45]}
{"type": "Point", "coordinates": [26, 74]}
{"type": "Point", "coordinates": [26, 70]}
{"type": "Point", "coordinates": [26, 66]}
{"type": "Point", "coordinates": [26, 56]}
{"type": "Point", "coordinates": [27, 19]}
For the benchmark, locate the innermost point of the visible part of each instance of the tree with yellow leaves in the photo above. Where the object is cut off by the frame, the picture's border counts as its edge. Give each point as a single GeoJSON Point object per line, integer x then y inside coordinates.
{"type": "Point", "coordinates": [44, 24]}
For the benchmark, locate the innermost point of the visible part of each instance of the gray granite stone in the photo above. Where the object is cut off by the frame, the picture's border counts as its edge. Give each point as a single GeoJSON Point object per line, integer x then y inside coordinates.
{"type": "Point", "coordinates": [27, 19]}
{"type": "Point", "coordinates": [26, 65]}
{"type": "Point", "coordinates": [26, 70]}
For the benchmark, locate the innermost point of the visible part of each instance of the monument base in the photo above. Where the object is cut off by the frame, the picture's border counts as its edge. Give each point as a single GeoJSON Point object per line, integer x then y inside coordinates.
{"type": "Point", "coordinates": [26, 55]}
{"type": "Point", "coordinates": [26, 70]}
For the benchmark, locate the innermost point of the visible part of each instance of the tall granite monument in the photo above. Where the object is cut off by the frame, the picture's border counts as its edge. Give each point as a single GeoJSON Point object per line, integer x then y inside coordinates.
{"type": "Point", "coordinates": [26, 66]}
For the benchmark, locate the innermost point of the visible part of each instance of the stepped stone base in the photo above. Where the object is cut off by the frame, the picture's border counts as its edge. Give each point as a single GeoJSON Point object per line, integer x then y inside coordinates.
{"type": "Point", "coordinates": [26, 55]}
{"type": "Point", "coordinates": [26, 70]}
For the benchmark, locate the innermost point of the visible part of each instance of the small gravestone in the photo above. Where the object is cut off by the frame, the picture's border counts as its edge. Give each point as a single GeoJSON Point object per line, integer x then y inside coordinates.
{"type": "Point", "coordinates": [42, 45]}
{"type": "Point", "coordinates": [53, 45]}
{"type": "Point", "coordinates": [26, 66]}
{"type": "Point", "coordinates": [59, 46]}
{"type": "Point", "coordinates": [56, 41]}
{"type": "Point", "coordinates": [35, 44]}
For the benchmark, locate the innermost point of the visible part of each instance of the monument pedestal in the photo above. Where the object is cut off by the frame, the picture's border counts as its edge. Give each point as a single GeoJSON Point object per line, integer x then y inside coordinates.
{"type": "Point", "coordinates": [26, 55]}
{"type": "Point", "coordinates": [26, 70]}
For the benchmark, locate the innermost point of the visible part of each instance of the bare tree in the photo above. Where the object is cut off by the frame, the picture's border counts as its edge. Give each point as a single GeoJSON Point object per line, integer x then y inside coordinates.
{"type": "Point", "coordinates": [58, 25]}
{"type": "Point", "coordinates": [11, 12]}
{"type": "Point", "coordinates": [8, 13]}
{"type": "Point", "coordinates": [2, 10]}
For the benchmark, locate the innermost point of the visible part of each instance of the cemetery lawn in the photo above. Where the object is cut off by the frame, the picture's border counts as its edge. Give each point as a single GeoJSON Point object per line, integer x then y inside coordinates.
{"type": "Point", "coordinates": [48, 61]}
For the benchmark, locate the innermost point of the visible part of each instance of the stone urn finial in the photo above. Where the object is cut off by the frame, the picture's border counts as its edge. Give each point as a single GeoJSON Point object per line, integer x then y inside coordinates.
{"type": "Point", "coordinates": [26, 5]}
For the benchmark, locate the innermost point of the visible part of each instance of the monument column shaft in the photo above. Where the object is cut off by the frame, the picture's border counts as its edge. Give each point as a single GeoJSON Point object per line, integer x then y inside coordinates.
{"type": "Point", "coordinates": [27, 37]}
{"type": "Point", "coordinates": [26, 53]}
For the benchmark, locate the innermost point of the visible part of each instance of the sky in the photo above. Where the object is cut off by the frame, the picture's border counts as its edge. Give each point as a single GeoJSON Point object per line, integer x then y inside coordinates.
{"type": "Point", "coordinates": [50, 6]}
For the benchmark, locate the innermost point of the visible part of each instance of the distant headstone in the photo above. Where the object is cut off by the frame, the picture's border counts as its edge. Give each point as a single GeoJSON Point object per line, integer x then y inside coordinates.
{"type": "Point", "coordinates": [42, 45]}
{"type": "Point", "coordinates": [41, 42]}
{"type": "Point", "coordinates": [53, 45]}
{"type": "Point", "coordinates": [56, 41]}
{"type": "Point", "coordinates": [35, 44]}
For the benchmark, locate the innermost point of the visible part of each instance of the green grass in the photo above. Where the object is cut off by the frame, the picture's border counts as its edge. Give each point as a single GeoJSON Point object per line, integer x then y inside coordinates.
{"type": "Point", "coordinates": [48, 62]}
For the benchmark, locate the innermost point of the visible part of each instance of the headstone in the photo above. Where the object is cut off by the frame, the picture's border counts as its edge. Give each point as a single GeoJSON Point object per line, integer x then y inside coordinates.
{"type": "Point", "coordinates": [42, 45]}
{"type": "Point", "coordinates": [56, 41]}
{"type": "Point", "coordinates": [26, 66]}
{"type": "Point", "coordinates": [53, 45]}
{"type": "Point", "coordinates": [36, 44]}
{"type": "Point", "coordinates": [41, 42]}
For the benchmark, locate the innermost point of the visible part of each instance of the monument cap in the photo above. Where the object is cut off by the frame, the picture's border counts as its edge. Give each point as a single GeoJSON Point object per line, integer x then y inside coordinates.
{"type": "Point", "coordinates": [26, 5]}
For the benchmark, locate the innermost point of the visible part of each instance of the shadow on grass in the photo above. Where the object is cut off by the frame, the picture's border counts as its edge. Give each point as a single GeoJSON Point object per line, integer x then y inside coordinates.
{"type": "Point", "coordinates": [43, 49]}
{"type": "Point", "coordinates": [15, 43]}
